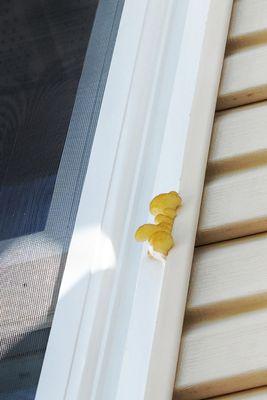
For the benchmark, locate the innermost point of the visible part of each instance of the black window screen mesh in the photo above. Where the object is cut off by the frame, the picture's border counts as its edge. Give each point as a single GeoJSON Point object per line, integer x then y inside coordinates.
{"type": "Point", "coordinates": [45, 141]}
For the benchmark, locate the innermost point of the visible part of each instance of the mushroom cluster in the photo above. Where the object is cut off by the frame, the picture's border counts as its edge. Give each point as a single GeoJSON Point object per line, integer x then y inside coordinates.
{"type": "Point", "coordinates": [159, 235]}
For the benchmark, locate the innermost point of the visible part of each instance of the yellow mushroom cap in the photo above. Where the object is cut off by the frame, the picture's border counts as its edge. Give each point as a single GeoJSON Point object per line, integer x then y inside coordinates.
{"type": "Point", "coordinates": [145, 231]}
{"type": "Point", "coordinates": [163, 218]}
{"type": "Point", "coordinates": [164, 201]}
{"type": "Point", "coordinates": [169, 212]}
{"type": "Point", "coordinates": [161, 242]}
{"type": "Point", "coordinates": [164, 226]}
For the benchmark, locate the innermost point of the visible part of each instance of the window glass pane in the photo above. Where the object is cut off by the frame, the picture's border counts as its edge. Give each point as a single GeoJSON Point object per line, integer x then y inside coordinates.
{"type": "Point", "coordinates": [54, 60]}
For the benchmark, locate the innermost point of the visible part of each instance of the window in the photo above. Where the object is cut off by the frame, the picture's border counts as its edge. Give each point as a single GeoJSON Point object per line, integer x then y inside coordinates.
{"type": "Point", "coordinates": [46, 133]}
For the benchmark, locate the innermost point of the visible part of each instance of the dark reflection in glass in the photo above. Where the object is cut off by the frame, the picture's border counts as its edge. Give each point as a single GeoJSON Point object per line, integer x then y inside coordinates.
{"type": "Point", "coordinates": [43, 45]}
{"type": "Point", "coordinates": [46, 133]}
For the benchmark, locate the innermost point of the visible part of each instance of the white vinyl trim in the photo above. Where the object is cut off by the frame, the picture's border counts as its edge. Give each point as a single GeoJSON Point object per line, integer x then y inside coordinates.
{"type": "Point", "coordinates": [118, 321]}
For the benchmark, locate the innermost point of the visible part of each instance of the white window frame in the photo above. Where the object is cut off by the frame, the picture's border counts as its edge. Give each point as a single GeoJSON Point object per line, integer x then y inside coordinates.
{"type": "Point", "coordinates": [118, 321]}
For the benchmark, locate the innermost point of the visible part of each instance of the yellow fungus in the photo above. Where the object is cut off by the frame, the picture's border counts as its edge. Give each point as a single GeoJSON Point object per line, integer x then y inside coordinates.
{"type": "Point", "coordinates": [161, 242]}
{"type": "Point", "coordinates": [169, 212]}
{"type": "Point", "coordinates": [164, 208]}
{"type": "Point", "coordinates": [163, 218]}
{"type": "Point", "coordinates": [164, 226]}
{"type": "Point", "coordinates": [164, 201]}
{"type": "Point", "coordinates": [145, 231]}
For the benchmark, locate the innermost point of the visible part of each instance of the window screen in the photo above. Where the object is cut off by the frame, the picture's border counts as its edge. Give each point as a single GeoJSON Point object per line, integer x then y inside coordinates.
{"type": "Point", "coordinates": [54, 60]}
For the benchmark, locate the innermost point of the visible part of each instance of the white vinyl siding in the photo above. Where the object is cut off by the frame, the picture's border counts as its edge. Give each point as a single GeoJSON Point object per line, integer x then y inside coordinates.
{"type": "Point", "coordinates": [253, 394]}
{"type": "Point", "coordinates": [235, 194]}
{"type": "Point", "coordinates": [243, 78]}
{"type": "Point", "coordinates": [224, 341]}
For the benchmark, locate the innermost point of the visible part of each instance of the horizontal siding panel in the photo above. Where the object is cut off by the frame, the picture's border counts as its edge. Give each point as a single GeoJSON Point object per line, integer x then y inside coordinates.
{"type": "Point", "coordinates": [234, 199]}
{"type": "Point", "coordinates": [224, 348]}
{"type": "Point", "coordinates": [223, 356]}
{"type": "Point", "coordinates": [248, 23]}
{"type": "Point", "coordinates": [239, 137]}
{"type": "Point", "coordinates": [234, 205]}
{"type": "Point", "coordinates": [228, 277]}
{"type": "Point", "coordinates": [244, 78]}
{"type": "Point", "coordinates": [254, 394]}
